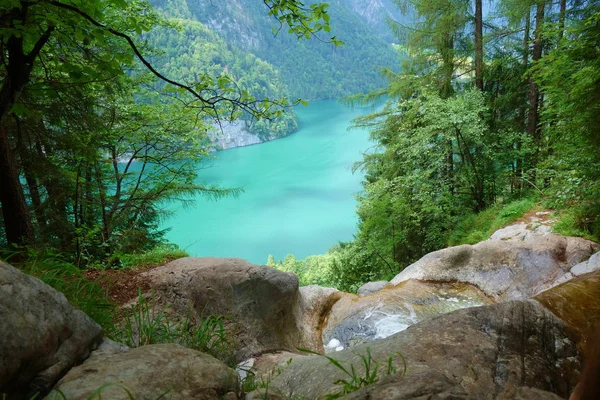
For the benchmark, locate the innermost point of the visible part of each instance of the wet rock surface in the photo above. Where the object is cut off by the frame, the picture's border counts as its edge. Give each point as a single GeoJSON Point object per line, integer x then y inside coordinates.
{"type": "Point", "coordinates": [41, 335]}
{"type": "Point", "coordinates": [577, 302]}
{"type": "Point", "coordinates": [357, 319]}
{"type": "Point", "coordinates": [149, 372]}
{"type": "Point", "coordinates": [483, 351]}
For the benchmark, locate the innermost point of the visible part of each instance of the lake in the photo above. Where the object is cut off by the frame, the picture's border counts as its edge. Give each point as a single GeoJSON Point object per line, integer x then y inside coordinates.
{"type": "Point", "coordinates": [299, 192]}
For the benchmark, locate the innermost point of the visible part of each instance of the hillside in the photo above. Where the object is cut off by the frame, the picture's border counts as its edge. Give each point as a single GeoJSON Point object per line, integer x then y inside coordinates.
{"type": "Point", "coordinates": [311, 69]}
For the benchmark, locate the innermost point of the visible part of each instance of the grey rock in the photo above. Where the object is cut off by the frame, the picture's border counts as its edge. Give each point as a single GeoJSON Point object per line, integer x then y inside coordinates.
{"type": "Point", "coordinates": [232, 134]}
{"type": "Point", "coordinates": [591, 265]}
{"type": "Point", "coordinates": [147, 372]}
{"type": "Point", "coordinates": [259, 300]}
{"type": "Point", "coordinates": [265, 394]}
{"type": "Point", "coordinates": [371, 287]}
{"type": "Point", "coordinates": [483, 351]}
{"type": "Point", "coordinates": [43, 335]}
{"type": "Point", "coordinates": [430, 385]}
{"type": "Point", "coordinates": [527, 393]}
{"type": "Point", "coordinates": [504, 269]}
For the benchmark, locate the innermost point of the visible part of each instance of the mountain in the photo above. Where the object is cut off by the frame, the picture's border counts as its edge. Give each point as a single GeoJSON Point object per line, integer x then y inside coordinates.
{"type": "Point", "coordinates": [311, 69]}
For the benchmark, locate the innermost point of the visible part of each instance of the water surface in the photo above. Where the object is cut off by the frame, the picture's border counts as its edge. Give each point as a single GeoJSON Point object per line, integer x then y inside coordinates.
{"type": "Point", "coordinates": [299, 192]}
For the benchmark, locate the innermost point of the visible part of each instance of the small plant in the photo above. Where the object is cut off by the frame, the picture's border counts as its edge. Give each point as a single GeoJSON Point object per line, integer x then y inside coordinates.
{"type": "Point", "coordinates": [367, 375]}
{"type": "Point", "coordinates": [252, 381]}
{"type": "Point", "coordinates": [144, 325]}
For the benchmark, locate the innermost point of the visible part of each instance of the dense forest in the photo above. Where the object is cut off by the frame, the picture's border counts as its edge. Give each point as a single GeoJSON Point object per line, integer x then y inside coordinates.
{"type": "Point", "coordinates": [106, 107]}
{"type": "Point", "coordinates": [493, 114]}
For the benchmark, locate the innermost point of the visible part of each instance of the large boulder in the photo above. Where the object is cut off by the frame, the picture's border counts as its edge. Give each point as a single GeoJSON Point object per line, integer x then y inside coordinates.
{"type": "Point", "coordinates": [42, 335]}
{"type": "Point", "coordinates": [149, 372]}
{"type": "Point", "coordinates": [485, 352]}
{"type": "Point", "coordinates": [512, 269]}
{"type": "Point", "coordinates": [356, 319]}
{"type": "Point", "coordinates": [259, 301]}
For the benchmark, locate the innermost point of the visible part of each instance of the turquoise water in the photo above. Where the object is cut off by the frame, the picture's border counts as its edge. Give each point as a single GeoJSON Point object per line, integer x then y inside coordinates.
{"type": "Point", "coordinates": [299, 192]}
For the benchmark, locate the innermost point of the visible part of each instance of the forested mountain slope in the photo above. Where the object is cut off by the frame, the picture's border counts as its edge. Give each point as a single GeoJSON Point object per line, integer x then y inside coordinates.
{"type": "Point", "coordinates": [192, 50]}
{"type": "Point", "coordinates": [312, 69]}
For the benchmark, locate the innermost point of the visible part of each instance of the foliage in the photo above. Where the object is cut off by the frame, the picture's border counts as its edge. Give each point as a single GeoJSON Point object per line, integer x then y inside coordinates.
{"type": "Point", "coordinates": [579, 220]}
{"type": "Point", "coordinates": [569, 76]}
{"type": "Point", "coordinates": [144, 324]}
{"type": "Point", "coordinates": [359, 377]}
{"type": "Point", "coordinates": [437, 161]}
{"type": "Point", "coordinates": [66, 278]}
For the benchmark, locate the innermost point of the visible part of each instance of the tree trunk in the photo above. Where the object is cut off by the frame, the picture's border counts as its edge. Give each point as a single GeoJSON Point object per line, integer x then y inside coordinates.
{"type": "Point", "coordinates": [533, 127]}
{"type": "Point", "coordinates": [561, 21]}
{"type": "Point", "coordinates": [523, 111]}
{"type": "Point", "coordinates": [479, 45]}
{"type": "Point", "coordinates": [17, 221]}
{"type": "Point", "coordinates": [447, 52]}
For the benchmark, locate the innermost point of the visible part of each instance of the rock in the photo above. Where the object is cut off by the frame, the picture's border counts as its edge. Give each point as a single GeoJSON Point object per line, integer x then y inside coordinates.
{"type": "Point", "coordinates": [357, 319]}
{"type": "Point", "coordinates": [265, 394]}
{"type": "Point", "coordinates": [232, 134]}
{"type": "Point", "coordinates": [371, 287]}
{"type": "Point", "coordinates": [313, 305]}
{"type": "Point", "coordinates": [591, 265]}
{"type": "Point", "coordinates": [520, 232]}
{"type": "Point", "coordinates": [527, 393]}
{"type": "Point", "coordinates": [43, 335]}
{"type": "Point", "coordinates": [577, 302]}
{"type": "Point", "coordinates": [148, 372]}
{"type": "Point", "coordinates": [483, 351]}
{"type": "Point", "coordinates": [430, 385]}
{"type": "Point", "coordinates": [504, 269]}
{"type": "Point", "coordinates": [260, 301]}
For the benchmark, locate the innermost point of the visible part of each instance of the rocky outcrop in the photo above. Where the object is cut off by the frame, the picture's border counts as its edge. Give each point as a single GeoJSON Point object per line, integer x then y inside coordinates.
{"type": "Point", "coordinates": [484, 352]}
{"type": "Point", "coordinates": [511, 269]}
{"type": "Point", "coordinates": [150, 372]}
{"type": "Point", "coordinates": [259, 301]}
{"type": "Point", "coordinates": [356, 319]}
{"type": "Point", "coordinates": [232, 134]}
{"type": "Point", "coordinates": [42, 335]}
{"type": "Point", "coordinates": [371, 287]}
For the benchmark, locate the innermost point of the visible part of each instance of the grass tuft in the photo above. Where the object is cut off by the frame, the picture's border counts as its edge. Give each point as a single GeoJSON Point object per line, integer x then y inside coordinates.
{"type": "Point", "coordinates": [153, 258]}
{"type": "Point", "coordinates": [478, 227]}
{"type": "Point", "coordinates": [144, 324]}
{"type": "Point", "coordinates": [368, 373]}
